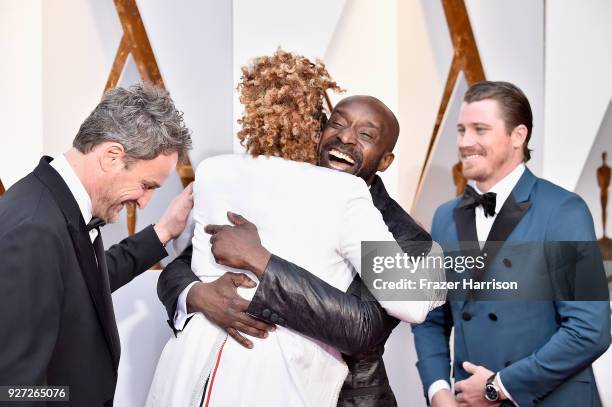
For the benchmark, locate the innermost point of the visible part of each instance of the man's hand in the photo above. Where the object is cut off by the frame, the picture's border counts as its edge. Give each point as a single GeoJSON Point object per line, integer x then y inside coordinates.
{"type": "Point", "coordinates": [471, 391]}
{"type": "Point", "coordinates": [174, 220]}
{"type": "Point", "coordinates": [238, 246]}
{"type": "Point", "coordinates": [221, 304]}
{"type": "Point", "coordinates": [443, 398]}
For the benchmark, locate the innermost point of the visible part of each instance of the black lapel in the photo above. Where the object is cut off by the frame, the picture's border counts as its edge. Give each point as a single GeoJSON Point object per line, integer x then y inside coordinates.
{"type": "Point", "coordinates": [509, 216]}
{"type": "Point", "coordinates": [107, 306]}
{"type": "Point", "coordinates": [465, 222]}
{"type": "Point", "coordinates": [84, 250]}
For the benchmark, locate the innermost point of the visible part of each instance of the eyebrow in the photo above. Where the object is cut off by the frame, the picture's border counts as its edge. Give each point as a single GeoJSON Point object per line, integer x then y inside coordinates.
{"type": "Point", "coordinates": [341, 112]}
{"type": "Point", "coordinates": [372, 125]}
{"type": "Point", "coordinates": [336, 112]}
{"type": "Point", "coordinates": [473, 124]}
{"type": "Point", "coordinates": [151, 184]}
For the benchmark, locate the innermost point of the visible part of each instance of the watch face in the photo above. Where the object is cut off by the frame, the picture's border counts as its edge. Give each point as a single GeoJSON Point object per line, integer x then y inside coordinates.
{"type": "Point", "coordinates": [491, 393]}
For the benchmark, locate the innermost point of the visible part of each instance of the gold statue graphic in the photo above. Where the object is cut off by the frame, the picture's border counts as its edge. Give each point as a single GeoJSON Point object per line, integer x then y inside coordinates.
{"type": "Point", "coordinates": [603, 179]}
{"type": "Point", "coordinates": [458, 179]}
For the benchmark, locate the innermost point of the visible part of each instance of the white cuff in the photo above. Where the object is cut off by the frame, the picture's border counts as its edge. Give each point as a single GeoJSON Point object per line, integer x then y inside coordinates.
{"type": "Point", "coordinates": [503, 389]}
{"type": "Point", "coordinates": [181, 315]}
{"type": "Point", "coordinates": [436, 387]}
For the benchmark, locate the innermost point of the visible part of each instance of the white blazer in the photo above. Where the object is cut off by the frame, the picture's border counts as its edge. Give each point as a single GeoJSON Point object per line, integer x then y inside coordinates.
{"type": "Point", "coordinates": [312, 216]}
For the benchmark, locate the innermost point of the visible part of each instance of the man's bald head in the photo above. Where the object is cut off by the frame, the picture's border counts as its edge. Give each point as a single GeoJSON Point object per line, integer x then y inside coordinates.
{"type": "Point", "coordinates": [388, 119]}
{"type": "Point", "coordinates": [359, 137]}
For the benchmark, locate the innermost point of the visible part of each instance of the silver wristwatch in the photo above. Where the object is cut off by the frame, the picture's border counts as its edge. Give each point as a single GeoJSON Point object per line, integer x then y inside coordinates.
{"type": "Point", "coordinates": [491, 390]}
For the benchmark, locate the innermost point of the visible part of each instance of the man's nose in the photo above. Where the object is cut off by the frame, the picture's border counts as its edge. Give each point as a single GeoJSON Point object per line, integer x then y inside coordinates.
{"type": "Point", "coordinates": [466, 139]}
{"type": "Point", "coordinates": [144, 199]}
{"type": "Point", "coordinates": [348, 136]}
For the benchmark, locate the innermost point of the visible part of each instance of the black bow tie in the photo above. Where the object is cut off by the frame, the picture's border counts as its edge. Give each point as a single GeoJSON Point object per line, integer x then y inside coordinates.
{"type": "Point", "coordinates": [472, 199]}
{"type": "Point", "coordinates": [95, 223]}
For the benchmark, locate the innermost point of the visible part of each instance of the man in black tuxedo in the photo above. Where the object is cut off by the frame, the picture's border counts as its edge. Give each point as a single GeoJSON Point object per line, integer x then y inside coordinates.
{"type": "Point", "coordinates": [358, 139]}
{"type": "Point", "coordinates": [56, 280]}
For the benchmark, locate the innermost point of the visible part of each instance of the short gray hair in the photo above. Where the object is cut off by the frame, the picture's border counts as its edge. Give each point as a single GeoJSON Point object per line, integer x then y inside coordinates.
{"type": "Point", "coordinates": [142, 118]}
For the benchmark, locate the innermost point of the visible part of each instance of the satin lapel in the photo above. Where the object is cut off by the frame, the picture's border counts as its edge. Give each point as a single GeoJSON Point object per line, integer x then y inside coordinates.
{"type": "Point", "coordinates": [511, 213]}
{"type": "Point", "coordinates": [95, 284]}
{"type": "Point", "coordinates": [465, 222]}
{"type": "Point", "coordinates": [509, 216]}
{"type": "Point", "coordinates": [110, 323]}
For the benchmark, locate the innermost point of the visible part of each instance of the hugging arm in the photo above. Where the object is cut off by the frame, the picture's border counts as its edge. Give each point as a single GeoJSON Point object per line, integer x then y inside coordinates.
{"type": "Point", "coordinates": [182, 292]}
{"type": "Point", "coordinates": [348, 321]}
{"type": "Point", "coordinates": [174, 279]}
{"type": "Point", "coordinates": [351, 322]}
{"type": "Point", "coordinates": [291, 296]}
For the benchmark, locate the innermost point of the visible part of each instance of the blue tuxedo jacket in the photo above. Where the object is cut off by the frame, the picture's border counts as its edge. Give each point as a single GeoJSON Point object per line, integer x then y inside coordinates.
{"type": "Point", "coordinates": [543, 350]}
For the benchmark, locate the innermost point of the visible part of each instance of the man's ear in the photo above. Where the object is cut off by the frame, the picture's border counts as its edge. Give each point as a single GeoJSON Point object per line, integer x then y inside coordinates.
{"type": "Point", "coordinates": [519, 135]}
{"type": "Point", "coordinates": [112, 157]}
{"type": "Point", "coordinates": [385, 161]}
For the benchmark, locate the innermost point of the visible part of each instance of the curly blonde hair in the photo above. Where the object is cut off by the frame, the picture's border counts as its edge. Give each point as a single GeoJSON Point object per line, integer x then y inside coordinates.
{"type": "Point", "coordinates": [283, 98]}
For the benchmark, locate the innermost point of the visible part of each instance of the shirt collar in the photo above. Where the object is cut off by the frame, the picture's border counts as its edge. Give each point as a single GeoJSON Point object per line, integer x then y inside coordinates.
{"type": "Point", "coordinates": [65, 170]}
{"type": "Point", "coordinates": [505, 186]}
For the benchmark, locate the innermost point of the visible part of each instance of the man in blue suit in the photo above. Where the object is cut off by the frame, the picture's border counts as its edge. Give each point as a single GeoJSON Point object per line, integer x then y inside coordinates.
{"type": "Point", "coordinates": [510, 352]}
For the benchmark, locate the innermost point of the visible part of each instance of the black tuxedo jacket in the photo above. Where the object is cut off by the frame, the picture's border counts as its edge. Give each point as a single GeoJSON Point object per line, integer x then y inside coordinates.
{"type": "Point", "coordinates": [353, 322]}
{"type": "Point", "coordinates": [58, 324]}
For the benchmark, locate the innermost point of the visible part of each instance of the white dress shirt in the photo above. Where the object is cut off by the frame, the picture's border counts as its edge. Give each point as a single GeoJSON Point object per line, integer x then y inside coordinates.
{"type": "Point", "coordinates": [78, 191]}
{"type": "Point", "coordinates": [483, 227]}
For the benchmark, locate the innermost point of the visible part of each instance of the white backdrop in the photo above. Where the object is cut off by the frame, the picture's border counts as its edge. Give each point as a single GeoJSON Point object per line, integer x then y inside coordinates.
{"type": "Point", "coordinates": [56, 56]}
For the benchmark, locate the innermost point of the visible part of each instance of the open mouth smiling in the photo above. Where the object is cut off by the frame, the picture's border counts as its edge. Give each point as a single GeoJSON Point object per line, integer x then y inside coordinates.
{"type": "Point", "coordinates": [339, 157]}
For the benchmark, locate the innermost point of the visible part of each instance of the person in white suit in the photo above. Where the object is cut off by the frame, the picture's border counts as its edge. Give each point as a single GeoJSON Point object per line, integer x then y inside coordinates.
{"type": "Point", "coordinates": [306, 214]}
